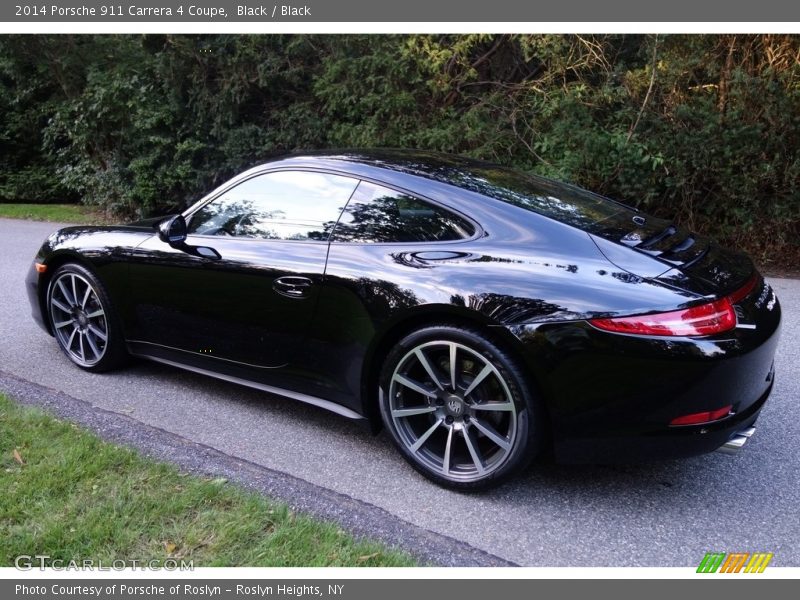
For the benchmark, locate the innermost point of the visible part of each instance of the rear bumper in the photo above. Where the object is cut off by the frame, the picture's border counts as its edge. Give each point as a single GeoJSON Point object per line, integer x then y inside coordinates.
{"type": "Point", "coordinates": [668, 443]}
{"type": "Point", "coordinates": [611, 397]}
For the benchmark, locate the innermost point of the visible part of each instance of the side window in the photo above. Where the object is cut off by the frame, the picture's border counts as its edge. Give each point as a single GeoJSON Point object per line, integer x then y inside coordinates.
{"type": "Point", "coordinates": [379, 214]}
{"type": "Point", "coordinates": [283, 205]}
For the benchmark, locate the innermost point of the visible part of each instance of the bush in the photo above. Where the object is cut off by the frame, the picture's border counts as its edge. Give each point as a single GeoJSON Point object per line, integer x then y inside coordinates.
{"type": "Point", "coordinates": [702, 127]}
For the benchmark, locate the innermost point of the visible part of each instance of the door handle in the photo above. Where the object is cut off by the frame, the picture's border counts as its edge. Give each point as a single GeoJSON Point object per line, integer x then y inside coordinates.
{"type": "Point", "coordinates": [292, 286]}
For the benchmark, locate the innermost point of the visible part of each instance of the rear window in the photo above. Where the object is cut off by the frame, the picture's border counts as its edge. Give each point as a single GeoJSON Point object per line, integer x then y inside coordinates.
{"type": "Point", "coordinates": [559, 201]}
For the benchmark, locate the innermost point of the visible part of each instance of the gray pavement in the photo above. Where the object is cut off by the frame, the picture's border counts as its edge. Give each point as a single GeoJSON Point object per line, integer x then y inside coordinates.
{"type": "Point", "coordinates": [664, 514]}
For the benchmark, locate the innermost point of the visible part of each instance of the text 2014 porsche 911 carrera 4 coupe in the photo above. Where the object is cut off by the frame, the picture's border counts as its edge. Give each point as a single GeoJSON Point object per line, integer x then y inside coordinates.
{"type": "Point", "coordinates": [481, 315]}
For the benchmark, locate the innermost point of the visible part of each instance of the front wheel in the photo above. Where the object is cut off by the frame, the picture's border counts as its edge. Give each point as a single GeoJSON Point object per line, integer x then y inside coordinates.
{"type": "Point", "coordinates": [83, 320]}
{"type": "Point", "coordinates": [459, 408]}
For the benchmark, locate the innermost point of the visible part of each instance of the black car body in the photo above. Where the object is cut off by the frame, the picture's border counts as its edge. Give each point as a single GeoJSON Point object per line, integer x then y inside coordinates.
{"type": "Point", "coordinates": [312, 305]}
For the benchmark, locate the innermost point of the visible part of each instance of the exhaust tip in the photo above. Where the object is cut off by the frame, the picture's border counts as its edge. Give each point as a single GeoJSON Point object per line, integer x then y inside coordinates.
{"type": "Point", "coordinates": [747, 432]}
{"type": "Point", "coordinates": [737, 441]}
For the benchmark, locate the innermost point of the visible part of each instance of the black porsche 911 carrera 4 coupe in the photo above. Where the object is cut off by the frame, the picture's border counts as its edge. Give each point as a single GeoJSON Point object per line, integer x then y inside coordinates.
{"type": "Point", "coordinates": [482, 315]}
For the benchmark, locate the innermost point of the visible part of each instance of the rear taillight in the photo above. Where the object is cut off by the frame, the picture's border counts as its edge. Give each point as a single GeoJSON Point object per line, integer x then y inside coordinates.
{"type": "Point", "coordinates": [704, 319]}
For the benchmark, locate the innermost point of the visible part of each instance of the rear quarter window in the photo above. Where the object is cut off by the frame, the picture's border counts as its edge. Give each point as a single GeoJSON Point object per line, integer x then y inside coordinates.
{"type": "Point", "coordinates": [378, 214]}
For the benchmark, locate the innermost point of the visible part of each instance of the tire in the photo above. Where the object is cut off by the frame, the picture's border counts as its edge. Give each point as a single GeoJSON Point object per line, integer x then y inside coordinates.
{"type": "Point", "coordinates": [484, 433]}
{"type": "Point", "coordinates": [83, 320]}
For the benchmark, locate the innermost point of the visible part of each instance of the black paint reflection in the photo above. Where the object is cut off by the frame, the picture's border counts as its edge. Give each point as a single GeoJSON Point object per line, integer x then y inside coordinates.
{"type": "Point", "coordinates": [508, 309]}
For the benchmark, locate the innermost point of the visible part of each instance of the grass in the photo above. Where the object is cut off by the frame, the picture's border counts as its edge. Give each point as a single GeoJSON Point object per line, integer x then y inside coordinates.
{"type": "Point", "coordinates": [72, 496]}
{"type": "Point", "coordinates": [61, 213]}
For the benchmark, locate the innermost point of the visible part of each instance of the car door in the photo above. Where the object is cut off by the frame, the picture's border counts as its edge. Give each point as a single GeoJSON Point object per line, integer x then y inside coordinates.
{"type": "Point", "coordinates": [383, 259]}
{"type": "Point", "coordinates": [251, 305]}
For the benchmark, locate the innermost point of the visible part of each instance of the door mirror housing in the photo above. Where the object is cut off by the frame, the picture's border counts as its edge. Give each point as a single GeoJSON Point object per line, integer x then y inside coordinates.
{"type": "Point", "coordinates": [172, 230]}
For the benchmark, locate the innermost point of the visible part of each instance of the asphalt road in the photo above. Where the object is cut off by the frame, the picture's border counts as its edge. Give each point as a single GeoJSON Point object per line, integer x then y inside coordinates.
{"type": "Point", "coordinates": [664, 514]}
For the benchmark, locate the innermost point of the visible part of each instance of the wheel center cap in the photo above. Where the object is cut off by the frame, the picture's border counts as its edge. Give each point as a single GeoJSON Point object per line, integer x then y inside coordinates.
{"type": "Point", "coordinates": [82, 320]}
{"type": "Point", "coordinates": [455, 406]}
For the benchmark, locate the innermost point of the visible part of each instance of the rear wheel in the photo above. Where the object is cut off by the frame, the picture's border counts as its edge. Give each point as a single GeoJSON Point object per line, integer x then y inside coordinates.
{"type": "Point", "coordinates": [459, 408]}
{"type": "Point", "coordinates": [84, 323]}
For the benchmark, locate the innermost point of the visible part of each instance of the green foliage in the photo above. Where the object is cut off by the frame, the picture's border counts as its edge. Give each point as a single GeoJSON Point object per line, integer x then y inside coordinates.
{"type": "Point", "coordinates": [702, 127]}
{"type": "Point", "coordinates": [27, 170]}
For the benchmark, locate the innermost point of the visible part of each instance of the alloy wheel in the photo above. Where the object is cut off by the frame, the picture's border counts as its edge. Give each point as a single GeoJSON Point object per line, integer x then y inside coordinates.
{"type": "Point", "coordinates": [453, 410]}
{"type": "Point", "coordinates": [79, 319]}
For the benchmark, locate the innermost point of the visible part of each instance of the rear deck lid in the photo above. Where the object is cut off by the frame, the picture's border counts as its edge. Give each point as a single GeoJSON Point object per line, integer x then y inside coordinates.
{"type": "Point", "coordinates": [691, 261]}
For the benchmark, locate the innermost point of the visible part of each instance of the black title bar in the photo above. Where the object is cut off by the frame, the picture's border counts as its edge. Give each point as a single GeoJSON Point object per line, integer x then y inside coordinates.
{"type": "Point", "coordinates": [452, 11]}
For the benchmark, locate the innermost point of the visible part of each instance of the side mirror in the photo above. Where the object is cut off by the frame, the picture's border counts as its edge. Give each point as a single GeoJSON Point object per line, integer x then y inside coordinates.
{"type": "Point", "coordinates": [172, 230]}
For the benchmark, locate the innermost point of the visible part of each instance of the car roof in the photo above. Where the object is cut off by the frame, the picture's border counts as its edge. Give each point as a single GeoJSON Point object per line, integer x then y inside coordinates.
{"type": "Point", "coordinates": [423, 163]}
{"type": "Point", "coordinates": [395, 158]}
